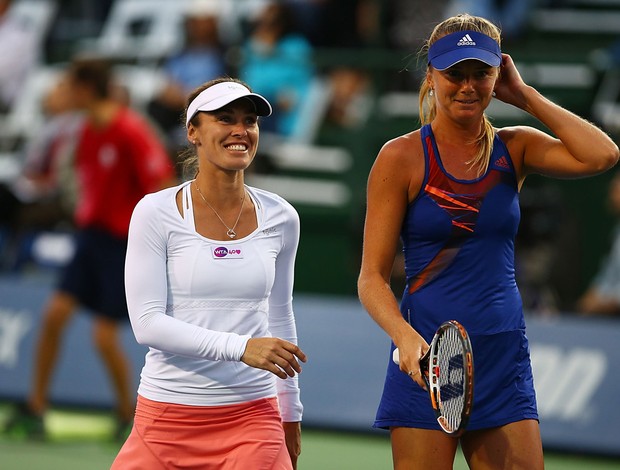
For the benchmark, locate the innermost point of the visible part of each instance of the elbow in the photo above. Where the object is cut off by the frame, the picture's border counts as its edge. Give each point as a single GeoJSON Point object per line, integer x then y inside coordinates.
{"type": "Point", "coordinates": [142, 339]}
{"type": "Point", "coordinates": [143, 334]}
{"type": "Point", "coordinates": [364, 288]}
{"type": "Point", "coordinates": [610, 159]}
{"type": "Point", "coordinates": [361, 286]}
{"type": "Point", "coordinates": [603, 162]}
{"type": "Point", "coordinates": [615, 156]}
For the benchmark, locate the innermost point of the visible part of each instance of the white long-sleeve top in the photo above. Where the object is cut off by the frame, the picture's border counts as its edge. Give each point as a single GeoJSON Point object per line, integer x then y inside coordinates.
{"type": "Point", "coordinates": [195, 302]}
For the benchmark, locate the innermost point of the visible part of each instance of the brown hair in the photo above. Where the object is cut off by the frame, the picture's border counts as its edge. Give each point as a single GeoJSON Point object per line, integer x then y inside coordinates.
{"type": "Point", "coordinates": [187, 157]}
{"type": "Point", "coordinates": [462, 22]}
{"type": "Point", "coordinates": [95, 73]}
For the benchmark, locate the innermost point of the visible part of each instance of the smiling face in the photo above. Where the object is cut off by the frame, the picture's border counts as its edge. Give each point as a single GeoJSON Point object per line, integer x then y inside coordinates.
{"type": "Point", "coordinates": [226, 139]}
{"type": "Point", "coordinates": [464, 90]}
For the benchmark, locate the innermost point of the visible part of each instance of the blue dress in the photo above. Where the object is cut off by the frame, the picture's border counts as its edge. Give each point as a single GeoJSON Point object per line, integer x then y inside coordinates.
{"type": "Point", "coordinates": [458, 238]}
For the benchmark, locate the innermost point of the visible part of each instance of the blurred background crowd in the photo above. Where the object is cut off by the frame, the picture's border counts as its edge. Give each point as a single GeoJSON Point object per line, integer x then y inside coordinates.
{"type": "Point", "coordinates": [343, 77]}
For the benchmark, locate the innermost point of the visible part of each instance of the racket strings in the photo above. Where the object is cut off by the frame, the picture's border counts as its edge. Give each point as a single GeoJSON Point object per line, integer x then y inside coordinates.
{"type": "Point", "coordinates": [450, 377]}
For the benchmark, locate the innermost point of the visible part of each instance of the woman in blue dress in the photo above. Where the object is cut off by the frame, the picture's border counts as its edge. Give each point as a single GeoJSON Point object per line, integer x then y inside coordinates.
{"type": "Point", "coordinates": [450, 192]}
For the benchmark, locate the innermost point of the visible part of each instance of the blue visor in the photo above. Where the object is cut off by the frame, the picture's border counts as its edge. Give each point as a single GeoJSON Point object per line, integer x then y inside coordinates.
{"type": "Point", "coordinates": [464, 45]}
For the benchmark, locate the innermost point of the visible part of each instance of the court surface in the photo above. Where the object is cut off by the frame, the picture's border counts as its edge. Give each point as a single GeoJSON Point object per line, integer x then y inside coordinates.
{"type": "Point", "coordinates": [79, 440]}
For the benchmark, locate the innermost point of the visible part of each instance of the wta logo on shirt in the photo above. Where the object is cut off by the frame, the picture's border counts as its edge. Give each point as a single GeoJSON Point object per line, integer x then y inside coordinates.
{"type": "Point", "coordinates": [222, 252]}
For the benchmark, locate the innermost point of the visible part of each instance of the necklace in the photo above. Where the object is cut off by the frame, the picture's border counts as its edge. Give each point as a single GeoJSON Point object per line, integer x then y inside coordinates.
{"type": "Point", "coordinates": [230, 231]}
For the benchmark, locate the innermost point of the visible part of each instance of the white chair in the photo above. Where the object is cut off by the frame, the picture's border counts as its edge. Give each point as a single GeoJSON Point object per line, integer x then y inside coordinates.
{"type": "Point", "coordinates": [25, 116]}
{"type": "Point", "coordinates": [141, 82]}
{"type": "Point", "coordinates": [142, 30]}
{"type": "Point", "coordinates": [37, 15]}
{"type": "Point", "coordinates": [606, 105]}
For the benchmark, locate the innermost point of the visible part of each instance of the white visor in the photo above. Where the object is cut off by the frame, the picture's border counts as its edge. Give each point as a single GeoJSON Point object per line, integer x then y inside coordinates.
{"type": "Point", "coordinates": [218, 96]}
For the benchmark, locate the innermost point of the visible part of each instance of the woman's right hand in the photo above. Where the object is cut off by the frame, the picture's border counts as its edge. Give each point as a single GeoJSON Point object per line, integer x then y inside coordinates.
{"type": "Point", "coordinates": [410, 352]}
{"type": "Point", "coordinates": [275, 355]}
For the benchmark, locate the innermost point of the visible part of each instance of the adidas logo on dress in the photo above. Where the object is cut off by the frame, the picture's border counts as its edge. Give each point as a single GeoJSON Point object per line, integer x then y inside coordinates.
{"type": "Point", "coordinates": [466, 41]}
{"type": "Point", "coordinates": [502, 162]}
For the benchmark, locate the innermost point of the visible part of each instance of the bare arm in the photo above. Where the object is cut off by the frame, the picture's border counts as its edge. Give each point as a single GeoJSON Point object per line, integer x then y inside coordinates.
{"type": "Point", "coordinates": [594, 303]}
{"type": "Point", "coordinates": [292, 433]}
{"type": "Point", "coordinates": [389, 187]}
{"type": "Point", "coordinates": [578, 149]}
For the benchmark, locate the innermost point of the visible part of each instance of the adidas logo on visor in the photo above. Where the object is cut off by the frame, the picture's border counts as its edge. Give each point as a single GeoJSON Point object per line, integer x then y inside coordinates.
{"type": "Point", "coordinates": [466, 41]}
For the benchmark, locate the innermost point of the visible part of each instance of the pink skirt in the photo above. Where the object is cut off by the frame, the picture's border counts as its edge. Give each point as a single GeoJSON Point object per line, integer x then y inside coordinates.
{"type": "Point", "coordinates": [171, 436]}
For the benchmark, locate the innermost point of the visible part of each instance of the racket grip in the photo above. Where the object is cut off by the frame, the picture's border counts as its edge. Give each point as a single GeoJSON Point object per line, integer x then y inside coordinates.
{"type": "Point", "coordinates": [423, 360]}
{"type": "Point", "coordinates": [396, 356]}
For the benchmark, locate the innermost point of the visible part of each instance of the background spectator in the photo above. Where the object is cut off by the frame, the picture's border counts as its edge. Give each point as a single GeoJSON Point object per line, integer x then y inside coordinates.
{"type": "Point", "coordinates": [19, 55]}
{"type": "Point", "coordinates": [511, 15]}
{"type": "Point", "coordinates": [118, 160]}
{"type": "Point", "coordinates": [277, 63]}
{"type": "Point", "coordinates": [350, 99]}
{"type": "Point", "coordinates": [603, 295]}
{"type": "Point", "coordinates": [44, 194]}
{"type": "Point", "coordinates": [200, 60]}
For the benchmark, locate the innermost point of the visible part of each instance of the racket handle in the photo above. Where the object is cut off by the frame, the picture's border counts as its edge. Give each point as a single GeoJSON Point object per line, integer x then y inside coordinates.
{"type": "Point", "coordinates": [423, 360]}
{"type": "Point", "coordinates": [396, 356]}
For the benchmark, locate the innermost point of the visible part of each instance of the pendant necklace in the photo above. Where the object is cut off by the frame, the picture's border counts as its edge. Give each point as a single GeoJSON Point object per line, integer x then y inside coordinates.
{"type": "Point", "coordinates": [230, 231]}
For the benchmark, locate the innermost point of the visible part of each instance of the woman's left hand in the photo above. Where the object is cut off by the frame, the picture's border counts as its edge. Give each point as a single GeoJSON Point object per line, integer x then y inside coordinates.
{"type": "Point", "coordinates": [510, 87]}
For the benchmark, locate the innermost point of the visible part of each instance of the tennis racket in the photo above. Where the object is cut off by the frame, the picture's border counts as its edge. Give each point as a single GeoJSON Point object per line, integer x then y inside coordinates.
{"type": "Point", "coordinates": [448, 370]}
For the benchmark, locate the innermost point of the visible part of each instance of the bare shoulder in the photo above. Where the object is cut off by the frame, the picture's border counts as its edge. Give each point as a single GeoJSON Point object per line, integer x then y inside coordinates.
{"type": "Point", "coordinates": [401, 152]}
{"type": "Point", "coordinates": [399, 166]}
{"type": "Point", "coordinates": [403, 143]}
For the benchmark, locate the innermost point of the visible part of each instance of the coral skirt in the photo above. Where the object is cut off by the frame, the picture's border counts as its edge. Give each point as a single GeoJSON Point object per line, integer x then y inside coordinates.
{"type": "Point", "coordinates": [170, 436]}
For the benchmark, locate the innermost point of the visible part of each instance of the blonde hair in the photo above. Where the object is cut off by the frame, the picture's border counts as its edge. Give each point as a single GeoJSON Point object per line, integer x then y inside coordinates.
{"type": "Point", "coordinates": [428, 111]}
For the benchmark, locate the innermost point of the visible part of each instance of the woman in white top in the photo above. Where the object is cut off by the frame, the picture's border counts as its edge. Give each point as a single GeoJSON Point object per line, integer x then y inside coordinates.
{"type": "Point", "coordinates": [209, 280]}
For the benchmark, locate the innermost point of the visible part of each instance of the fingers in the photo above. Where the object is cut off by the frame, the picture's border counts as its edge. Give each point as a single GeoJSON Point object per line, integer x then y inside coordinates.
{"type": "Point", "coordinates": [288, 363]}
{"type": "Point", "coordinates": [287, 357]}
{"type": "Point", "coordinates": [274, 355]}
{"type": "Point", "coordinates": [293, 348]}
{"type": "Point", "coordinates": [417, 377]}
{"type": "Point", "coordinates": [412, 367]}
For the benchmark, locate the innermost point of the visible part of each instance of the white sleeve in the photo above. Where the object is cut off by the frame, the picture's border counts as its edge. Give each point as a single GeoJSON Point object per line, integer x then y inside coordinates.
{"type": "Point", "coordinates": [146, 290]}
{"type": "Point", "coordinates": [281, 316]}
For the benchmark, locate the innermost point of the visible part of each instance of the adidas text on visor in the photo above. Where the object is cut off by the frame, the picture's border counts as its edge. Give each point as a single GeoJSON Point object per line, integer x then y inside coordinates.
{"type": "Point", "coordinates": [219, 95]}
{"type": "Point", "coordinates": [464, 45]}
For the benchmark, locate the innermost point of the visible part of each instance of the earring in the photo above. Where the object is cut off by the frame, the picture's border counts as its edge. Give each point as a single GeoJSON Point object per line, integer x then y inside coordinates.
{"type": "Point", "coordinates": [494, 94]}
{"type": "Point", "coordinates": [431, 93]}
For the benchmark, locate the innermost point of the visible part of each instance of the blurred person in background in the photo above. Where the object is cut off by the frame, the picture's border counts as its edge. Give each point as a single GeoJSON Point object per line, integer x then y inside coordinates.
{"type": "Point", "coordinates": [200, 59]}
{"type": "Point", "coordinates": [19, 53]}
{"type": "Point", "coordinates": [350, 98]}
{"type": "Point", "coordinates": [512, 15]}
{"type": "Point", "coordinates": [408, 24]}
{"type": "Point", "coordinates": [349, 23]}
{"type": "Point", "coordinates": [276, 61]}
{"type": "Point", "coordinates": [43, 196]}
{"type": "Point", "coordinates": [118, 159]}
{"type": "Point", "coordinates": [603, 295]}
{"type": "Point", "coordinates": [209, 277]}
{"type": "Point", "coordinates": [48, 164]}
